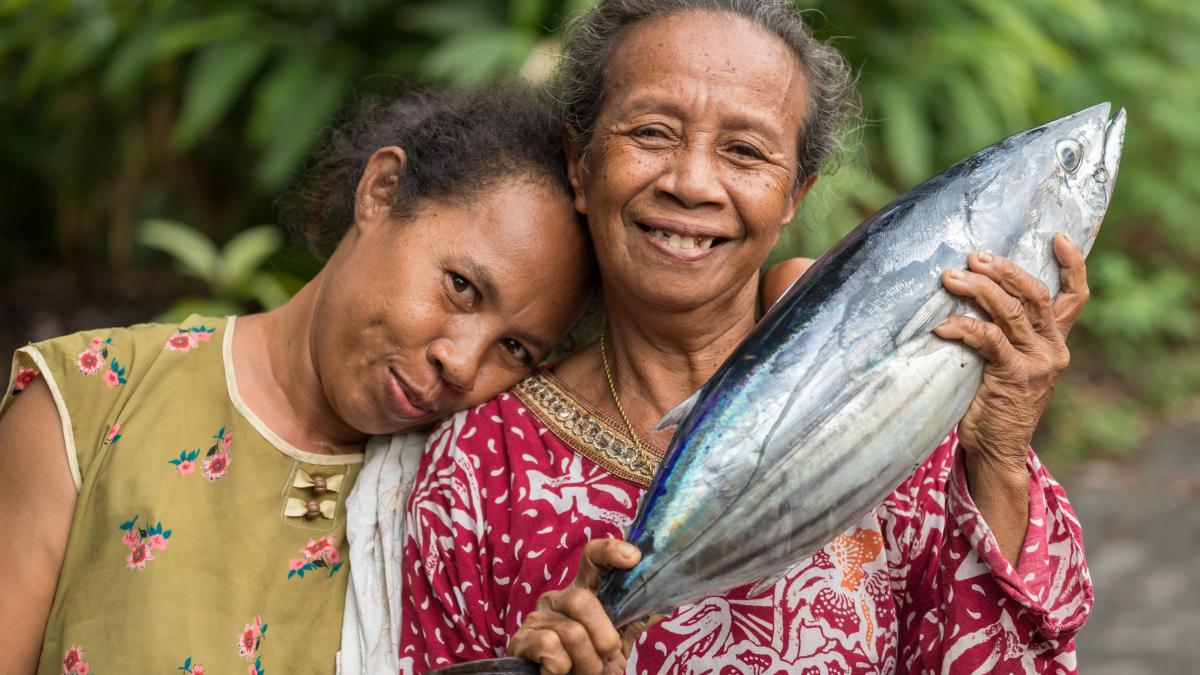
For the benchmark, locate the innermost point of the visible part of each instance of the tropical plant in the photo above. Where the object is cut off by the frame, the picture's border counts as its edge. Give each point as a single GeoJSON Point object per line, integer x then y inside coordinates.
{"type": "Point", "coordinates": [233, 273]}
{"type": "Point", "coordinates": [115, 111]}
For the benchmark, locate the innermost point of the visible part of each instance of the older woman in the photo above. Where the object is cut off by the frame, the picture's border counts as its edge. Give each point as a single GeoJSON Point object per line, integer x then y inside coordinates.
{"type": "Point", "coordinates": [175, 493]}
{"type": "Point", "coordinates": [697, 126]}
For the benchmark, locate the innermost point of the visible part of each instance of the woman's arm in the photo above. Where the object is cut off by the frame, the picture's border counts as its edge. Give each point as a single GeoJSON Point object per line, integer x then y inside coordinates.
{"type": "Point", "coordinates": [1024, 347]}
{"type": "Point", "coordinates": [780, 277]}
{"type": "Point", "coordinates": [38, 494]}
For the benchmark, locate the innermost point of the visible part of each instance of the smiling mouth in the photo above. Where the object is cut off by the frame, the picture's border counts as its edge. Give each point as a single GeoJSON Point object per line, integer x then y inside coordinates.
{"type": "Point", "coordinates": [681, 242]}
{"type": "Point", "coordinates": [410, 397]}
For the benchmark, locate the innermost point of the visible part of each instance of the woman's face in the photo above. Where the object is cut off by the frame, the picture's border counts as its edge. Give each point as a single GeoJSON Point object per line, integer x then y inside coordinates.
{"type": "Point", "coordinates": [445, 310]}
{"type": "Point", "coordinates": [691, 172]}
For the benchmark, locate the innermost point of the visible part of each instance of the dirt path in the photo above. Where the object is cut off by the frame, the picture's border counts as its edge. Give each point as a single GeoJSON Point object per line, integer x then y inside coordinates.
{"type": "Point", "coordinates": [1141, 529]}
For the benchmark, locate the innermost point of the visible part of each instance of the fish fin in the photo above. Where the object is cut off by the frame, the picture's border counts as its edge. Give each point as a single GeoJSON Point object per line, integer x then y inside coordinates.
{"type": "Point", "coordinates": [770, 580]}
{"type": "Point", "coordinates": [675, 415]}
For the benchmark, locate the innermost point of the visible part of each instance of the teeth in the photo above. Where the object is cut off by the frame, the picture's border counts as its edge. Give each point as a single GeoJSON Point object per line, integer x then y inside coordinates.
{"type": "Point", "coordinates": [685, 243]}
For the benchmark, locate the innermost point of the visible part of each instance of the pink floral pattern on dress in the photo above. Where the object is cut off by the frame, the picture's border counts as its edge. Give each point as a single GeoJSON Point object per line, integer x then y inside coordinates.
{"type": "Point", "coordinates": [317, 554]}
{"type": "Point", "coordinates": [142, 542]}
{"type": "Point", "coordinates": [24, 378]}
{"type": "Point", "coordinates": [186, 462]}
{"type": "Point", "coordinates": [248, 642]}
{"type": "Point", "coordinates": [216, 462]}
{"type": "Point", "coordinates": [73, 662]}
{"type": "Point", "coordinates": [95, 359]}
{"type": "Point", "coordinates": [187, 339]}
{"type": "Point", "coordinates": [113, 435]}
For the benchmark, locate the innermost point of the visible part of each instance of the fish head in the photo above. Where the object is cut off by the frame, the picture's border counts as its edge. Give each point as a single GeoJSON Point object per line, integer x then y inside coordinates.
{"type": "Point", "coordinates": [1073, 162]}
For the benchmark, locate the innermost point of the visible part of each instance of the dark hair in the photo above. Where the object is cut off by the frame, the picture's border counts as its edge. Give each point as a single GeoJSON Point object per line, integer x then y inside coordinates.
{"type": "Point", "coordinates": [592, 37]}
{"type": "Point", "coordinates": [457, 144]}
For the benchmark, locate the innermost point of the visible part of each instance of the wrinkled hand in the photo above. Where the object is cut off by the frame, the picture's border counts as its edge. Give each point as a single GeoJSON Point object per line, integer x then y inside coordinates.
{"type": "Point", "coordinates": [1025, 347]}
{"type": "Point", "coordinates": [570, 632]}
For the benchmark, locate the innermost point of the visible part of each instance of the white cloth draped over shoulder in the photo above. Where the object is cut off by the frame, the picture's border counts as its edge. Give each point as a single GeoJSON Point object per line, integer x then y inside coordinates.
{"type": "Point", "coordinates": [375, 530]}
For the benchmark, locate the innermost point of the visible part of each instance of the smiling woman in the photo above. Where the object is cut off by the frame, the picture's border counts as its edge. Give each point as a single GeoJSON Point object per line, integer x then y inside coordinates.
{"type": "Point", "coordinates": [451, 216]}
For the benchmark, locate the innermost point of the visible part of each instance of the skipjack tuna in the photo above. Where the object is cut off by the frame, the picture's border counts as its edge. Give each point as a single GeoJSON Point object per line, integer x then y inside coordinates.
{"type": "Point", "coordinates": [842, 388]}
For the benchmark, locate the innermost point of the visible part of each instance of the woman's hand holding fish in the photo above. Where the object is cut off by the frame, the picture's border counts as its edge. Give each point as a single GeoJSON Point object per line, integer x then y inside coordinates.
{"type": "Point", "coordinates": [1026, 351]}
{"type": "Point", "coordinates": [570, 632]}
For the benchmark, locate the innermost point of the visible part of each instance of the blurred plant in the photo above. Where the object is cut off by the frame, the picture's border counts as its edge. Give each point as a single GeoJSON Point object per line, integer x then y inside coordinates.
{"type": "Point", "coordinates": [204, 112]}
{"type": "Point", "coordinates": [112, 111]}
{"type": "Point", "coordinates": [234, 274]}
{"type": "Point", "coordinates": [943, 78]}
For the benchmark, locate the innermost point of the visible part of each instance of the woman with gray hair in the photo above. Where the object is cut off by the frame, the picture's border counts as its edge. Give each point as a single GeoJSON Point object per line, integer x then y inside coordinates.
{"type": "Point", "coordinates": [696, 128]}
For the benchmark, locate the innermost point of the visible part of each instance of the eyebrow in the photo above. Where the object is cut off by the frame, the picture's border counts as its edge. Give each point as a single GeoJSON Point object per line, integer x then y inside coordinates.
{"type": "Point", "coordinates": [739, 120]}
{"type": "Point", "coordinates": [481, 276]}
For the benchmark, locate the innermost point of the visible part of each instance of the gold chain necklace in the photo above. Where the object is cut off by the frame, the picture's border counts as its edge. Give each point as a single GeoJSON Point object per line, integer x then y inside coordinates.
{"type": "Point", "coordinates": [612, 387]}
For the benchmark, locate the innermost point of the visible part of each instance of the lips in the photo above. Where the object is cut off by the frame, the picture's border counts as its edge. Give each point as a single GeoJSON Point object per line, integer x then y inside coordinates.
{"type": "Point", "coordinates": [680, 240]}
{"type": "Point", "coordinates": [404, 400]}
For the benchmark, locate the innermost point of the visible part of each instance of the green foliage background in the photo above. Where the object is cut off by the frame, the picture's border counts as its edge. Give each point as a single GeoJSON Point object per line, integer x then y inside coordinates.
{"type": "Point", "coordinates": [115, 112]}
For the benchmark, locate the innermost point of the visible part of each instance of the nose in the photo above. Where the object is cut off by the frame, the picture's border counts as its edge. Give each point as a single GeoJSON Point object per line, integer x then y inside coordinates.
{"type": "Point", "coordinates": [457, 360]}
{"type": "Point", "coordinates": [693, 177]}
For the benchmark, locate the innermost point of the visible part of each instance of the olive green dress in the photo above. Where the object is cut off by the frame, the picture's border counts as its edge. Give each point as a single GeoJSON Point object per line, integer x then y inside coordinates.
{"type": "Point", "coordinates": [201, 541]}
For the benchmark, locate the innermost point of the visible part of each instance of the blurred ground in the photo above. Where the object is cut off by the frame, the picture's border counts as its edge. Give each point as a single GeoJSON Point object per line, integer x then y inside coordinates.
{"type": "Point", "coordinates": [1141, 530]}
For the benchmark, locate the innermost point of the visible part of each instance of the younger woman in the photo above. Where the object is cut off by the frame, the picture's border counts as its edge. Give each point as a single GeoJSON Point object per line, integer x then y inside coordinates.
{"type": "Point", "coordinates": [176, 493]}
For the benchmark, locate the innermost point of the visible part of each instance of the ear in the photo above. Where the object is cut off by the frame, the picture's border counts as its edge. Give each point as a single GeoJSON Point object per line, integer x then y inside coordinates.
{"type": "Point", "coordinates": [377, 188]}
{"type": "Point", "coordinates": [794, 199]}
{"type": "Point", "coordinates": [575, 167]}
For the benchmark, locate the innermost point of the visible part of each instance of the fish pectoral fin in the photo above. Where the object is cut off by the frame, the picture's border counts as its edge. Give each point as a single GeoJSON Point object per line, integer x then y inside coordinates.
{"type": "Point", "coordinates": [675, 415]}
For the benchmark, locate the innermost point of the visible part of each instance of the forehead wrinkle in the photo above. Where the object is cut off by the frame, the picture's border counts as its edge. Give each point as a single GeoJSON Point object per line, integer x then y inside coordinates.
{"type": "Point", "coordinates": [767, 87]}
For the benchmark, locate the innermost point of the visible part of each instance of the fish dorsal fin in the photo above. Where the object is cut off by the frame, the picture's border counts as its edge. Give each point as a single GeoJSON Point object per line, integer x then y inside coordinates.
{"type": "Point", "coordinates": [675, 415]}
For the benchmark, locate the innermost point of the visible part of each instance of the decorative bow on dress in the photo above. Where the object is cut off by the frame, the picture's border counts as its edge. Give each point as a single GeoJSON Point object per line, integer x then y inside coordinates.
{"type": "Point", "coordinates": [313, 508]}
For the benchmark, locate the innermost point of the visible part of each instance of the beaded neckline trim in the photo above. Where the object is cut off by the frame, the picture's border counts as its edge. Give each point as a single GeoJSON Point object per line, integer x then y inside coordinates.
{"type": "Point", "coordinates": [589, 432]}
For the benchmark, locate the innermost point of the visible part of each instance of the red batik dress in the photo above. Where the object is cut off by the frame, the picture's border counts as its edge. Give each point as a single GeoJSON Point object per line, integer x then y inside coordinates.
{"type": "Point", "coordinates": [508, 493]}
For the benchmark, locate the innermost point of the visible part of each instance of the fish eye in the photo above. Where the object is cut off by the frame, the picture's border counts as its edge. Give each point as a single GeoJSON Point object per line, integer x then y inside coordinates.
{"type": "Point", "coordinates": [1070, 154]}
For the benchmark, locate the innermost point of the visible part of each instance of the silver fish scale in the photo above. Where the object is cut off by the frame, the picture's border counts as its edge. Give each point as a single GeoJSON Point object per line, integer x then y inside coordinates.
{"type": "Point", "coordinates": [841, 390]}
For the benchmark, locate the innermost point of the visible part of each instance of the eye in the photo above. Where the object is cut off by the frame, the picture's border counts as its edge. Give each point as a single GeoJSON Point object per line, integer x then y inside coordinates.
{"type": "Point", "coordinates": [462, 288]}
{"type": "Point", "coordinates": [1070, 154]}
{"type": "Point", "coordinates": [517, 350]}
{"type": "Point", "coordinates": [747, 151]}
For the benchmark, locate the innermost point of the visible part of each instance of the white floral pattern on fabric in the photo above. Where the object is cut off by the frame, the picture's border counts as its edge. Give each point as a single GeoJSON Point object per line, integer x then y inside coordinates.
{"type": "Point", "coordinates": [375, 531]}
{"type": "Point", "coordinates": [502, 507]}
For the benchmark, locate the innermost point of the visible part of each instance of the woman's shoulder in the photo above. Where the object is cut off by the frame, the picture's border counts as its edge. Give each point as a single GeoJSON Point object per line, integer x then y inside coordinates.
{"type": "Point", "coordinates": [92, 374]}
{"type": "Point", "coordinates": [110, 352]}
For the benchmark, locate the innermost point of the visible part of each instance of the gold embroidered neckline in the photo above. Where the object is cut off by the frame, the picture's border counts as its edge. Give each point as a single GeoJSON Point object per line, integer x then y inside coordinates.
{"type": "Point", "coordinates": [587, 430]}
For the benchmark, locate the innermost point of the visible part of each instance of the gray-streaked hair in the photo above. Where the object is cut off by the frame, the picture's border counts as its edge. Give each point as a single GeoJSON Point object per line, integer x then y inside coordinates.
{"type": "Point", "coordinates": [582, 74]}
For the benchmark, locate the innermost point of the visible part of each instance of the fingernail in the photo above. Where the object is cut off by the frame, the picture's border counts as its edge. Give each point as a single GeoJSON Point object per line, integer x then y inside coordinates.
{"type": "Point", "coordinates": [954, 273]}
{"type": "Point", "coordinates": [985, 256]}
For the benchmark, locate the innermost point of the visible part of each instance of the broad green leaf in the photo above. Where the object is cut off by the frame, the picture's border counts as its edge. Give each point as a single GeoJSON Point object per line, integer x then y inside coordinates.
{"type": "Point", "coordinates": [244, 254]}
{"type": "Point", "coordinates": [472, 56]}
{"type": "Point", "coordinates": [216, 78]}
{"type": "Point", "coordinates": [162, 37]}
{"type": "Point", "coordinates": [192, 250]}
{"type": "Point", "coordinates": [446, 18]}
{"type": "Point", "coordinates": [294, 102]}
{"type": "Point", "coordinates": [906, 137]}
{"type": "Point", "coordinates": [133, 57]}
{"type": "Point", "coordinates": [527, 13]}
{"type": "Point", "coordinates": [267, 290]}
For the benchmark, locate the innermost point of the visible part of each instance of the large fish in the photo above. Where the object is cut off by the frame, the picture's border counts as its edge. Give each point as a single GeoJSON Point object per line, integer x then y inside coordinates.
{"type": "Point", "coordinates": [842, 389]}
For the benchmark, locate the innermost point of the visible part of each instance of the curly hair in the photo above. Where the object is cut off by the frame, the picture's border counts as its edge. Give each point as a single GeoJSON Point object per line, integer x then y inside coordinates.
{"type": "Point", "coordinates": [457, 145]}
{"type": "Point", "coordinates": [591, 39]}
